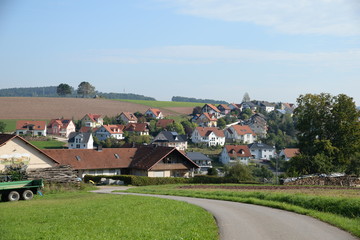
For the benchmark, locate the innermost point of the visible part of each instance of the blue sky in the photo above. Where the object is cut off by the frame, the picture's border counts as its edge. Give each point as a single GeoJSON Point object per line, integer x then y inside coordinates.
{"type": "Point", "coordinates": [274, 50]}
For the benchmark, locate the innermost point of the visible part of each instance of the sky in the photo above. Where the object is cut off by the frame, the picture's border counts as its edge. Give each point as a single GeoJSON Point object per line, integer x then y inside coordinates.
{"type": "Point", "coordinates": [274, 50]}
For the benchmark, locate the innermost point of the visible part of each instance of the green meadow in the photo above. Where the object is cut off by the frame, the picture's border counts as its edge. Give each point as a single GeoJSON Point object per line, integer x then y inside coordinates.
{"type": "Point", "coordinates": [81, 215]}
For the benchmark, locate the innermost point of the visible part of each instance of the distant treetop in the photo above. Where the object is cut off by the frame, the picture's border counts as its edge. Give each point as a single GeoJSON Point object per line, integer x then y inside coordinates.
{"type": "Point", "coordinates": [186, 99]}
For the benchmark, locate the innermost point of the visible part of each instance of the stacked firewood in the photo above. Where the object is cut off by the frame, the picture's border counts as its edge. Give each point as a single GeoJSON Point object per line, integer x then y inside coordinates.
{"type": "Point", "coordinates": [58, 174]}
{"type": "Point", "coordinates": [348, 181]}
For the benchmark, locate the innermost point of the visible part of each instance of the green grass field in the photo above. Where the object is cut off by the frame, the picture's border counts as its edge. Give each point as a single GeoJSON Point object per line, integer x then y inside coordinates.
{"type": "Point", "coordinates": [52, 144]}
{"type": "Point", "coordinates": [102, 216]}
{"type": "Point", "coordinates": [339, 207]}
{"type": "Point", "coordinates": [163, 104]}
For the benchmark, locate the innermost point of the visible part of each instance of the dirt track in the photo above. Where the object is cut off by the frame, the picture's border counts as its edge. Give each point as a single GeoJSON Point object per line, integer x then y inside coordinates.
{"type": "Point", "coordinates": [48, 108]}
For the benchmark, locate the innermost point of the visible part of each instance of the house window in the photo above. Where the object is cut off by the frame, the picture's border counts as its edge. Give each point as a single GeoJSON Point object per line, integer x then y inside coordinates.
{"type": "Point", "coordinates": [116, 155]}
{"type": "Point", "coordinates": [77, 145]}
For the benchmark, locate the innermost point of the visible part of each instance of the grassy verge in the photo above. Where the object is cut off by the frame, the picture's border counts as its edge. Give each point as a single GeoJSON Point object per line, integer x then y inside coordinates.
{"type": "Point", "coordinates": [101, 216]}
{"type": "Point", "coordinates": [163, 104]}
{"type": "Point", "coordinates": [342, 211]}
{"type": "Point", "coordinates": [51, 144]}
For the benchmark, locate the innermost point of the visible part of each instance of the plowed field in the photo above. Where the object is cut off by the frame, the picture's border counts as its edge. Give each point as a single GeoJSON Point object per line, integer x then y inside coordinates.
{"type": "Point", "coordinates": [48, 108]}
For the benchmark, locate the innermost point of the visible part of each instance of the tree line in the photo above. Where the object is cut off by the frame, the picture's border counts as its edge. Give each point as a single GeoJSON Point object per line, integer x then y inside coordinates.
{"type": "Point", "coordinates": [65, 90]}
{"type": "Point", "coordinates": [187, 99]}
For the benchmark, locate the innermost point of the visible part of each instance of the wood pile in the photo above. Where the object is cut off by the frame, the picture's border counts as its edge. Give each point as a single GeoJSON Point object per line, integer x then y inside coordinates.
{"type": "Point", "coordinates": [348, 181]}
{"type": "Point", "coordinates": [58, 174]}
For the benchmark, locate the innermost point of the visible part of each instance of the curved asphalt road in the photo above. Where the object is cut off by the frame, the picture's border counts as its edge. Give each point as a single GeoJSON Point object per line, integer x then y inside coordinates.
{"type": "Point", "coordinates": [239, 221]}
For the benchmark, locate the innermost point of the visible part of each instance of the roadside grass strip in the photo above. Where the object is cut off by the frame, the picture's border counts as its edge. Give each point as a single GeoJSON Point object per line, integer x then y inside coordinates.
{"type": "Point", "coordinates": [104, 216]}
{"type": "Point", "coordinates": [341, 212]}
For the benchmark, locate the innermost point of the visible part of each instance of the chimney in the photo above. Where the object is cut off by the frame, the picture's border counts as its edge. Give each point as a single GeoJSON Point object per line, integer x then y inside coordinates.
{"type": "Point", "coordinates": [99, 148]}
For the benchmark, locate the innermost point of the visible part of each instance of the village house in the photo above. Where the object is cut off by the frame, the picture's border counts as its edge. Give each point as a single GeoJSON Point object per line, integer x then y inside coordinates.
{"type": "Point", "coordinates": [150, 161]}
{"type": "Point", "coordinates": [235, 154]}
{"type": "Point", "coordinates": [261, 151]}
{"type": "Point", "coordinates": [154, 113]}
{"type": "Point", "coordinates": [211, 136]}
{"type": "Point", "coordinates": [33, 128]}
{"type": "Point", "coordinates": [171, 139]}
{"type": "Point", "coordinates": [164, 123]}
{"type": "Point", "coordinates": [234, 107]}
{"type": "Point", "coordinates": [288, 153]}
{"type": "Point", "coordinates": [258, 124]}
{"type": "Point", "coordinates": [266, 106]}
{"type": "Point", "coordinates": [127, 117]}
{"type": "Point", "coordinates": [224, 109]}
{"type": "Point", "coordinates": [206, 120]}
{"type": "Point", "coordinates": [240, 134]}
{"type": "Point", "coordinates": [61, 127]}
{"type": "Point", "coordinates": [79, 140]}
{"type": "Point", "coordinates": [92, 120]}
{"type": "Point", "coordinates": [249, 105]}
{"type": "Point", "coordinates": [203, 161]}
{"type": "Point", "coordinates": [137, 128]}
{"type": "Point", "coordinates": [109, 131]}
{"type": "Point", "coordinates": [16, 150]}
{"type": "Point", "coordinates": [211, 110]}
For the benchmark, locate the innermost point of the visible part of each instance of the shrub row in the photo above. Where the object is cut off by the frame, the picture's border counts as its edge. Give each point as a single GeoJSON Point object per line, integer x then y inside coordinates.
{"type": "Point", "coordinates": [144, 181]}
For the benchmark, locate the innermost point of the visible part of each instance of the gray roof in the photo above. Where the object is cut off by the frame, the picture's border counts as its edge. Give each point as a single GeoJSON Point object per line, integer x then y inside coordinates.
{"type": "Point", "coordinates": [197, 156]}
{"type": "Point", "coordinates": [167, 136]}
{"type": "Point", "coordinates": [85, 137]}
{"type": "Point", "coordinates": [259, 146]}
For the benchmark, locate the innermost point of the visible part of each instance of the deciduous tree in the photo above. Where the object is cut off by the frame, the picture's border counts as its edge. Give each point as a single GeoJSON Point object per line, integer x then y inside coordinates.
{"type": "Point", "coordinates": [64, 89]}
{"type": "Point", "coordinates": [85, 89]}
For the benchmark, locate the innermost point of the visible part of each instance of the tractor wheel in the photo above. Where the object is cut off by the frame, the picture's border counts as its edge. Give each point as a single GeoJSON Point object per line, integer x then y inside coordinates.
{"type": "Point", "coordinates": [27, 195]}
{"type": "Point", "coordinates": [13, 196]}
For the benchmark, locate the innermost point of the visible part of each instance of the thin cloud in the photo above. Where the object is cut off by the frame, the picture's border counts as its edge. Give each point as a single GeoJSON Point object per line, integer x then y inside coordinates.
{"type": "Point", "coordinates": [221, 54]}
{"type": "Point", "coordinates": [322, 17]}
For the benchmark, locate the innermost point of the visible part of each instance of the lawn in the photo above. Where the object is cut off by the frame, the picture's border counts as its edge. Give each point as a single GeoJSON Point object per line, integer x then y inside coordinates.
{"type": "Point", "coordinates": [337, 206]}
{"type": "Point", "coordinates": [102, 216]}
{"type": "Point", "coordinates": [163, 104]}
{"type": "Point", "coordinates": [51, 144]}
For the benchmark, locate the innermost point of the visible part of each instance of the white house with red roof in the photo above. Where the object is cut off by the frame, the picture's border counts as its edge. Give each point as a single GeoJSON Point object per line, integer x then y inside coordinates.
{"type": "Point", "coordinates": [288, 153]}
{"type": "Point", "coordinates": [206, 120]}
{"type": "Point", "coordinates": [92, 120]}
{"type": "Point", "coordinates": [128, 117]}
{"type": "Point", "coordinates": [240, 133]}
{"type": "Point", "coordinates": [154, 113]}
{"type": "Point", "coordinates": [110, 131]}
{"type": "Point", "coordinates": [211, 109]}
{"type": "Point", "coordinates": [34, 128]}
{"type": "Point", "coordinates": [212, 136]}
{"type": "Point", "coordinates": [235, 153]}
{"type": "Point", "coordinates": [61, 127]}
{"type": "Point", "coordinates": [224, 109]}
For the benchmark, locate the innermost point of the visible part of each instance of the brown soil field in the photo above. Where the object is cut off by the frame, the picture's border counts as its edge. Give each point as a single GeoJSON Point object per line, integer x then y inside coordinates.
{"type": "Point", "coordinates": [48, 108]}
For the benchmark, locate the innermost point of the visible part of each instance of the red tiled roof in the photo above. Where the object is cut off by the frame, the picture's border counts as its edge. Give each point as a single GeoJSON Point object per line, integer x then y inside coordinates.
{"type": "Point", "coordinates": [212, 107]}
{"type": "Point", "coordinates": [238, 151]}
{"type": "Point", "coordinates": [163, 123]}
{"type": "Point", "coordinates": [94, 117]}
{"type": "Point", "coordinates": [210, 117]}
{"type": "Point", "coordinates": [145, 157]}
{"type": "Point", "coordinates": [114, 129]}
{"type": "Point", "coordinates": [130, 116]}
{"type": "Point", "coordinates": [291, 152]}
{"type": "Point", "coordinates": [136, 127]}
{"type": "Point", "coordinates": [243, 129]}
{"type": "Point", "coordinates": [92, 158]}
{"type": "Point", "coordinates": [24, 124]}
{"type": "Point", "coordinates": [224, 106]}
{"type": "Point", "coordinates": [4, 138]}
{"type": "Point", "coordinates": [205, 131]}
{"type": "Point", "coordinates": [63, 123]}
{"type": "Point", "coordinates": [87, 129]}
{"type": "Point", "coordinates": [155, 111]}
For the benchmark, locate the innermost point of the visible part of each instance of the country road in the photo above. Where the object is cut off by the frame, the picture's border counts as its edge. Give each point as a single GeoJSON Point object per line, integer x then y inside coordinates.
{"type": "Point", "coordinates": [237, 221]}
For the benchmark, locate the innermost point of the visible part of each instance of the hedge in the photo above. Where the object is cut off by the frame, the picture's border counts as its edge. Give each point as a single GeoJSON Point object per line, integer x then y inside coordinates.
{"type": "Point", "coordinates": [144, 181]}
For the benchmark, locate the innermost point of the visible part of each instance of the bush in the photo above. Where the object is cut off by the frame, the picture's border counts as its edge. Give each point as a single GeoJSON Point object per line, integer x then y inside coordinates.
{"type": "Point", "coordinates": [138, 180]}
